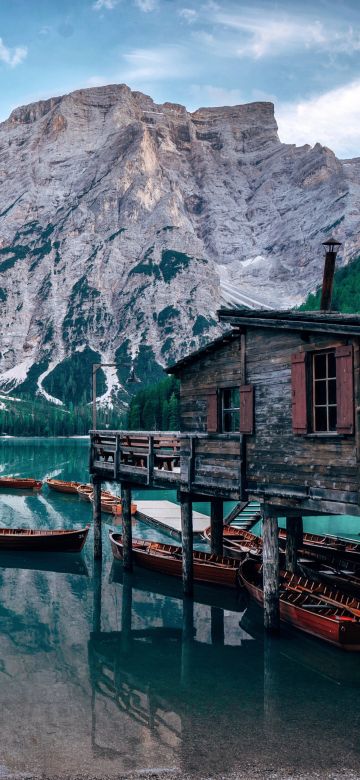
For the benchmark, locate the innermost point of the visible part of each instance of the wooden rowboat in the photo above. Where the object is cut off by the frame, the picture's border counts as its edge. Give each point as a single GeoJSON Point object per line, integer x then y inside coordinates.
{"type": "Point", "coordinates": [63, 487]}
{"type": "Point", "coordinates": [112, 505]}
{"type": "Point", "coordinates": [167, 558]}
{"type": "Point", "coordinates": [85, 491]}
{"type": "Point", "coordinates": [237, 541]}
{"type": "Point", "coordinates": [334, 546]}
{"type": "Point", "coordinates": [20, 483]}
{"type": "Point", "coordinates": [317, 610]}
{"type": "Point", "coordinates": [31, 540]}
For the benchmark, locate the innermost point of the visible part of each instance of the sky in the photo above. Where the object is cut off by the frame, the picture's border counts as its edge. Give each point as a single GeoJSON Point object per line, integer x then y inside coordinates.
{"type": "Point", "coordinates": [304, 56]}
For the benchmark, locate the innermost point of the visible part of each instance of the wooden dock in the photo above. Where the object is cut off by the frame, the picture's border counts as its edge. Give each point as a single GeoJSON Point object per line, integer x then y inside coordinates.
{"type": "Point", "coordinates": [166, 516]}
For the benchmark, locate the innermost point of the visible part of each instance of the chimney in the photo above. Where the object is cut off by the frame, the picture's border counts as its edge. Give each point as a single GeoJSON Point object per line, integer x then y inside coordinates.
{"type": "Point", "coordinates": [331, 250]}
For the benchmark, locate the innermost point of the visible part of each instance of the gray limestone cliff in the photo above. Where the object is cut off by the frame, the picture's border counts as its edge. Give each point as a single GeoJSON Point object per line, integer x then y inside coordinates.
{"type": "Point", "coordinates": [120, 217]}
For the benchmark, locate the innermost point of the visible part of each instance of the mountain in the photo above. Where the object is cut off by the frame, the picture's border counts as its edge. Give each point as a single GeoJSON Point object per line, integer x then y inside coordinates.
{"type": "Point", "coordinates": [120, 217]}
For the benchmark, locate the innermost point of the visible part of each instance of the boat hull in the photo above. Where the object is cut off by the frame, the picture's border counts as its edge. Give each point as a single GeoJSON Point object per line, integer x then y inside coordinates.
{"type": "Point", "coordinates": [22, 539]}
{"type": "Point", "coordinates": [63, 487]}
{"type": "Point", "coordinates": [343, 633]}
{"type": "Point", "coordinates": [171, 563]}
{"type": "Point", "coordinates": [16, 483]}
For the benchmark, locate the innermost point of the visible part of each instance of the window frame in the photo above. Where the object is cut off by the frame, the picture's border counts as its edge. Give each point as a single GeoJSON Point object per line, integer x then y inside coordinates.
{"type": "Point", "coordinates": [312, 395]}
{"type": "Point", "coordinates": [228, 410]}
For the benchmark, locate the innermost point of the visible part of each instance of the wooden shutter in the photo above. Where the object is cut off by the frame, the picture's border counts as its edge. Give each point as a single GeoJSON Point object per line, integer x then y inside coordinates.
{"type": "Point", "coordinates": [246, 409]}
{"type": "Point", "coordinates": [212, 412]}
{"type": "Point", "coordinates": [344, 389]}
{"type": "Point", "coordinates": [298, 392]}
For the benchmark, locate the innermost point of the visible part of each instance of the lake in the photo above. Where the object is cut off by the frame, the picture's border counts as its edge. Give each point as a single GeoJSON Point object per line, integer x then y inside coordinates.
{"type": "Point", "coordinates": [105, 674]}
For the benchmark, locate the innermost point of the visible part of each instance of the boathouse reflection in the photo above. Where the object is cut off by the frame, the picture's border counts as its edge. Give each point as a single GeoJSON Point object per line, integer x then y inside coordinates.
{"type": "Point", "coordinates": [160, 673]}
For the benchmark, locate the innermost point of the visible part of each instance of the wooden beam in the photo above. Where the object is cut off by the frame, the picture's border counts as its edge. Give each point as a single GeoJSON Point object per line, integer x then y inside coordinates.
{"type": "Point", "coordinates": [271, 573]}
{"type": "Point", "coordinates": [217, 525]}
{"type": "Point", "coordinates": [187, 542]}
{"type": "Point", "coordinates": [126, 525]}
{"type": "Point", "coordinates": [97, 518]}
{"type": "Point", "coordinates": [294, 540]}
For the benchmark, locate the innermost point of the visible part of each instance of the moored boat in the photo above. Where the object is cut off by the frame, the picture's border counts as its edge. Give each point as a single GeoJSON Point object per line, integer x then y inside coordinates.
{"type": "Point", "coordinates": [20, 483]}
{"type": "Point", "coordinates": [85, 491]}
{"type": "Point", "coordinates": [238, 541]}
{"type": "Point", "coordinates": [167, 559]}
{"type": "Point", "coordinates": [59, 540]}
{"type": "Point", "coordinates": [317, 610]}
{"type": "Point", "coordinates": [112, 505]}
{"type": "Point", "coordinates": [324, 544]}
{"type": "Point", "coordinates": [63, 487]}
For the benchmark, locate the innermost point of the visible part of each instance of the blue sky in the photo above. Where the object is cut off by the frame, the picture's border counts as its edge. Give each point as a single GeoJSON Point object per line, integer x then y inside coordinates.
{"type": "Point", "coordinates": [304, 56]}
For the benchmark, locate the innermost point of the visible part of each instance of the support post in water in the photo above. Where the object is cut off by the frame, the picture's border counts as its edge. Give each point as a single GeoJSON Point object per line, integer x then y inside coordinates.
{"type": "Point", "coordinates": [97, 518]}
{"type": "Point", "coordinates": [217, 526]}
{"type": "Point", "coordinates": [187, 542]}
{"type": "Point", "coordinates": [294, 539]}
{"type": "Point", "coordinates": [126, 526]}
{"type": "Point", "coordinates": [271, 572]}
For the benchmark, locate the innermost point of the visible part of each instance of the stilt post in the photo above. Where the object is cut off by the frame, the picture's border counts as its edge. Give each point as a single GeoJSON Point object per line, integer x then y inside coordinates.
{"type": "Point", "coordinates": [271, 572]}
{"type": "Point", "coordinates": [126, 526]}
{"type": "Point", "coordinates": [217, 526]}
{"type": "Point", "coordinates": [97, 518]}
{"type": "Point", "coordinates": [97, 576]}
{"type": "Point", "coordinates": [294, 539]}
{"type": "Point", "coordinates": [187, 542]}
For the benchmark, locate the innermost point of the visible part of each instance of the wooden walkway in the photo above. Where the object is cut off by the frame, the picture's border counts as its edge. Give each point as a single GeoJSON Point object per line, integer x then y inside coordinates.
{"type": "Point", "coordinates": [166, 516]}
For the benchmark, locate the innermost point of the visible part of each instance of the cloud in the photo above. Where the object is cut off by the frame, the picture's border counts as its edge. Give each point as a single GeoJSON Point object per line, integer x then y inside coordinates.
{"type": "Point", "coordinates": [263, 35]}
{"type": "Point", "coordinates": [161, 63]}
{"type": "Point", "coordinates": [332, 118]}
{"type": "Point", "coordinates": [146, 5]}
{"type": "Point", "coordinates": [188, 14]}
{"type": "Point", "coordinates": [258, 34]}
{"type": "Point", "coordinates": [212, 95]}
{"type": "Point", "coordinates": [108, 5]}
{"type": "Point", "coordinates": [12, 57]}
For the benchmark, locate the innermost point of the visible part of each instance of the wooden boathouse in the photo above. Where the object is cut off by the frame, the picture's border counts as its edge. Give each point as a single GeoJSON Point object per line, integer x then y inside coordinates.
{"type": "Point", "coordinates": [268, 411]}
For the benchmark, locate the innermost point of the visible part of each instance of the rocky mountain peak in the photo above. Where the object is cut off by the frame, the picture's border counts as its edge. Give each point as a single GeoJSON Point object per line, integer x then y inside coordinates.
{"type": "Point", "coordinates": [120, 217]}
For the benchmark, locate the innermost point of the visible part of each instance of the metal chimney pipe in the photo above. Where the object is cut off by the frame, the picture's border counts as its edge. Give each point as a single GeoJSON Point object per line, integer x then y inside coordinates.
{"type": "Point", "coordinates": [331, 250]}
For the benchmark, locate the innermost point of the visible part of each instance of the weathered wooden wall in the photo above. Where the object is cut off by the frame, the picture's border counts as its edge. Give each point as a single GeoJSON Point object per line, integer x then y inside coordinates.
{"type": "Point", "coordinates": [324, 465]}
{"type": "Point", "coordinates": [212, 370]}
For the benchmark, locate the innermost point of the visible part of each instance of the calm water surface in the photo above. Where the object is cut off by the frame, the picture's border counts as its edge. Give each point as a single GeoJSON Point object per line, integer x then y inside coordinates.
{"type": "Point", "coordinates": [103, 674]}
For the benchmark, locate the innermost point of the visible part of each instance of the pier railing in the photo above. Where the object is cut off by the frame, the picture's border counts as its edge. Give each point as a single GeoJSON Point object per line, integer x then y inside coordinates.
{"type": "Point", "coordinates": [204, 463]}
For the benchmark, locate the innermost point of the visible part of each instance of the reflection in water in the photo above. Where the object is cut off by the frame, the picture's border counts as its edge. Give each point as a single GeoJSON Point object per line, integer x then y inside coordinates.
{"type": "Point", "coordinates": [110, 673]}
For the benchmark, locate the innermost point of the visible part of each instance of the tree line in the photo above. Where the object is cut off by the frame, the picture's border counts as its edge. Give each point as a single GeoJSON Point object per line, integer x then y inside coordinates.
{"type": "Point", "coordinates": [156, 408]}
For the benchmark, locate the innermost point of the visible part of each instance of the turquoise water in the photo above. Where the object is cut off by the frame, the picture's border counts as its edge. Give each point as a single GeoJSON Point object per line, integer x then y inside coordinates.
{"type": "Point", "coordinates": [103, 675]}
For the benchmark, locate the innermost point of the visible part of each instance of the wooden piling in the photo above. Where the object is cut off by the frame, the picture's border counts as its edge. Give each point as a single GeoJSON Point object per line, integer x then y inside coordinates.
{"type": "Point", "coordinates": [126, 526]}
{"type": "Point", "coordinates": [217, 525]}
{"type": "Point", "coordinates": [97, 577]}
{"type": "Point", "coordinates": [187, 542]}
{"type": "Point", "coordinates": [271, 573]}
{"type": "Point", "coordinates": [294, 538]}
{"type": "Point", "coordinates": [97, 518]}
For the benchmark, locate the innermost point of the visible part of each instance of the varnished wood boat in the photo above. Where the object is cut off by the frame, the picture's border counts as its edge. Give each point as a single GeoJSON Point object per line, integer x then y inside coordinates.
{"type": "Point", "coordinates": [167, 559]}
{"type": "Point", "coordinates": [20, 483]}
{"type": "Point", "coordinates": [85, 491]}
{"type": "Point", "coordinates": [316, 610]}
{"type": "Point", "coordinates": [63, 487]}
{"type": "Point", "coordinates": [112, 505]}
{"type": "Point", "coordinates": [324, 544]}
{"type": "Point", "coordinates": [30, 540]}
{"type": "Point", "coordinates": [238, 541]}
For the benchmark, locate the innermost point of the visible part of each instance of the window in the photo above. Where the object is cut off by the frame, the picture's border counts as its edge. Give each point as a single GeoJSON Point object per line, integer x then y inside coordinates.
{"type": "Point", "coordinates": [322, 384]}
{"type": "Point", "coordinates": [324, 402]}
{"type": "Point", "coordinates": [230, 409]}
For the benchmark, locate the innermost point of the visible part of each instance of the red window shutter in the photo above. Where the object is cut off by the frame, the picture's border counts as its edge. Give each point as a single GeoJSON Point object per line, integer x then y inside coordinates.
{"type": "Point", "coordinates": [246, 409]}
{"type": "Point", "coordinates": [298, 392]}
{"type": "Point", "coordinates": [212, 413]}
{"type": "Point", "coordinates": [344, 389]}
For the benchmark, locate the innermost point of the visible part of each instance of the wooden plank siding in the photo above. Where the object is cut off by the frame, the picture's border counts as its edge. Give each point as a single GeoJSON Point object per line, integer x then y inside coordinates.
{"type": "Point", "coordinates": [277, 458]}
